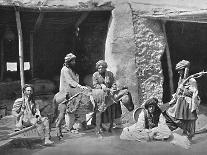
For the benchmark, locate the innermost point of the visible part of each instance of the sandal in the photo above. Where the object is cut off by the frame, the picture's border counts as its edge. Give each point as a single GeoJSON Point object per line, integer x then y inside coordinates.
{"type": "Point", "coordinates": [74, 131]}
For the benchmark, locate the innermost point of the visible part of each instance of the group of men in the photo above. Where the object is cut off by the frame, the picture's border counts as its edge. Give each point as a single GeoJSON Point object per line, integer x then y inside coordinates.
{"type": "Point", "coordinates": [153, 122]}
{"type": "Point", "coordinates": [157, 121]}
{"type": "Point", "coordinates": [27, 111]}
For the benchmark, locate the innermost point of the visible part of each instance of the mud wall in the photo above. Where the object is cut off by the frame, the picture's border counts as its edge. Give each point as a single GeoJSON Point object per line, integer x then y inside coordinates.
{"type": "Point", "coordinates": [150, 45]}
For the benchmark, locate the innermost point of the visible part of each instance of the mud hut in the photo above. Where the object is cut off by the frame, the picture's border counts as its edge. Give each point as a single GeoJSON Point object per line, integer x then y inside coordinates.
{"type": "Point", "coordinates": [141, 40]}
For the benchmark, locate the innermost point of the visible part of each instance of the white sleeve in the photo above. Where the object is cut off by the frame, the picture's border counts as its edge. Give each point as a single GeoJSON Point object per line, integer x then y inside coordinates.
{"type": "Point", "coordinates": [141, 121]}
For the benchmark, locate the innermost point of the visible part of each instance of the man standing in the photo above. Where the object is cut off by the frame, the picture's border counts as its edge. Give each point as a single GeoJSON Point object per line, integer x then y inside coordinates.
{"type": "Point", "coordinates": [27, 113]}
{"type": "Point", "coordinates": [104, 79]}
{"type": "Point", "coordinates": [182, 109]}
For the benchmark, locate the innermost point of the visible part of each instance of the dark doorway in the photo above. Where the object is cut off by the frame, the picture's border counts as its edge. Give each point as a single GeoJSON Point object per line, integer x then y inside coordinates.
{"type": "Point", "coordinates": [186, 41]}
{"type": "Point", "coordinates": [58, 33]}
{"type": "Point", "coordinates": [58, 36]}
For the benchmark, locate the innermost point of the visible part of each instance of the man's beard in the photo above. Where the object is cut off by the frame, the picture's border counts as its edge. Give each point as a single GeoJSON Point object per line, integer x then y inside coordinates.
{"type": "Point", "coordinates": [72, 66]}
{"type": "Point", "coordinates": [30, 97]}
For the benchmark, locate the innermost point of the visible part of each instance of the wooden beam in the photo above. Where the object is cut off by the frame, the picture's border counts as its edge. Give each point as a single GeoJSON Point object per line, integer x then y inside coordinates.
{"type": "Point", "coordinates": [164, 19]}
{"type": "Point", "coordinates": [80, 20]}
{"type": "Point", "coordinates": [21, 54]}
{"type": "Point", "coordinates": [169, 63]}
{"type": "Point", "coordinates": [40, 17]}
{"type": "Point", "coordinates": [83, 16]}
{"type": "Point", "coordinates": [38, 22]}
{"type": "Point", "coordinates": [32, 53]}
{"type": "Point", "coordinates": [2, 59]}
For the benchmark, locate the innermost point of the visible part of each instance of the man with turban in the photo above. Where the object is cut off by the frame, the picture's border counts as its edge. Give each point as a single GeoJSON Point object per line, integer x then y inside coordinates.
{"type": "Point", "coordinates": [184, 104]}
{"type": "Point", "coordinates": [104, 79]}
{"type": "Point", "coordinates": [151, 125]}
{"type": "Point", "coordinates": [69, 79]}
{"type": "Point", "coordinates": [69, 84]}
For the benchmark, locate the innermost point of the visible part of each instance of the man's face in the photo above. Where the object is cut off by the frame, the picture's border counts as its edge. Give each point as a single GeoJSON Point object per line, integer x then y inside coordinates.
{"type": "Point", "coordinates": [151, 108]}
{"type": "Point", "coordinates": [28, 91]}
{"type": "Point", "coordinates": [101, 69]}
{"type": "Point", "coordinates": [180, 72]}
{"type": "Point", "coordinates": [73, 62]}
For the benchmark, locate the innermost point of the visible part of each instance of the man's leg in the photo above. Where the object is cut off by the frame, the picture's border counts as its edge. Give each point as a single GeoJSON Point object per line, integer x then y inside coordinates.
{"type": "Point", "coordinates": [171, 122]}
{"type": "Point", "coordinates": [45, 128]}
{"type": "Point", "coordinates": [189, 128]}
{"type": "Point", "coordinates": [70, 121]}
{"type": "Point", "coordinates": [62, 112]}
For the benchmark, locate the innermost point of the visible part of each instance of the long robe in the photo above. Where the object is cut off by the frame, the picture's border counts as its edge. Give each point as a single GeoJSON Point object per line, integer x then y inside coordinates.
{"type": "Point", "coordinates": [114, 111]}
{"type": "Point", "coordinates": [185, 108]}
{"type": "Point", "coordinates": [140, 132]}
{"type": "Point", "coordinates": [69, 80]}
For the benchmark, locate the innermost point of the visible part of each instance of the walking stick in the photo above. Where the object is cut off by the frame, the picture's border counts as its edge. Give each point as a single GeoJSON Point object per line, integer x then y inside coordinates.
{"type": "Point", "coordinates": [18, 132]}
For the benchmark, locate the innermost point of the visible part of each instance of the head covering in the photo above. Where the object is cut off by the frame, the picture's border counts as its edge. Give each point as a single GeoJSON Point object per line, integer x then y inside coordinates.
{"type": "Point", "coordinates": [69, 57]}
{"type": "Point", "coordinates": [182, 64]}
{"type": "Point", "coordinates": [153, 101]}
{"type": "Point", "coordinates": [101, 63]}
{"type": "Point", "coordinates": [27, 85]}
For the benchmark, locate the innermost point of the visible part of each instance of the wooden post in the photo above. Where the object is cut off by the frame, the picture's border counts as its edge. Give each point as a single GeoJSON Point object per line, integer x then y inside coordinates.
{"type": "Point", "coordinates": [32, 53]}
{"type": "Point", "coordinates": [21, 54]}
{"type": "Point", "coordinates": [80, 20]}
{"type": "Point", "coordinates": [2, 59]}
{"type": "Point", "coordinates": [169, 63]}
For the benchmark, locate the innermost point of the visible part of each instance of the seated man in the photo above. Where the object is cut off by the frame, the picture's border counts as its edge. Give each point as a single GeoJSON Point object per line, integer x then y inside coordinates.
{"type": "Point", "coordinates": [27, 113]}
{"type": "Point", "coordinates": [151, 124]}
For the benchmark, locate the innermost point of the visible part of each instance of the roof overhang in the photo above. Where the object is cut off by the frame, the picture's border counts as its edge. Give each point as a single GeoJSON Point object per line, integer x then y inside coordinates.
{"type": "Point", "coordinates": [56, 8]}
{"type": "Point", "coordinates": [193, 16]}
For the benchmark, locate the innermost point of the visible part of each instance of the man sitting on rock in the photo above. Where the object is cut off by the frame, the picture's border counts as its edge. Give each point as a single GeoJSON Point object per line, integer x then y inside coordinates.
{"type": "Point", "coordinates": [27, 113]}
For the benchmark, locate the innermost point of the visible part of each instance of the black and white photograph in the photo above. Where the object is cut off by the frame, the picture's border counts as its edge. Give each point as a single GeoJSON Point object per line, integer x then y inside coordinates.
{"type": "Point", "coordinates": [103, 77]}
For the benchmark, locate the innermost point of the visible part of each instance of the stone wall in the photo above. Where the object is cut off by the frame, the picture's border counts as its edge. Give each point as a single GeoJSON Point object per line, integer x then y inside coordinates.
{"type": "Point", "coordinates": [150, 45]}
{"type": "Point", "coordinates": [120, 52]}
{"type": "Point", "coordinates": [120, 48]}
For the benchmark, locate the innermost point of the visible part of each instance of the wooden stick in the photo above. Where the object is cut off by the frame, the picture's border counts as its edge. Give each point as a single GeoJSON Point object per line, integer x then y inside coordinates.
{"type": "Point", "coordinates": [2, 59]}
{"type": "Point", "coordinates": [21, 54]}
{"type": "Point", "coordinates": [169, 63]}
{"type": "Point", "coordinates": [22, 131]}
{"type": "Point", "coordinates": [18, 132]}
{"type": "Point", "coordinates": [32, 53]}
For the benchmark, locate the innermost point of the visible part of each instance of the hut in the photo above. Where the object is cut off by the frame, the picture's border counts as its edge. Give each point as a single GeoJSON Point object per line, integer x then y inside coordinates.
{"type": "Point", "coordinates": [142, 40]}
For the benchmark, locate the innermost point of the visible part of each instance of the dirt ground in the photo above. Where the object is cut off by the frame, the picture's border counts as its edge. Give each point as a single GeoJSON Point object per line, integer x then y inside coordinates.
{"type": "Point", "coordinates": [88, 143]}
{"type": "Point", "coordinates": [110, 144]}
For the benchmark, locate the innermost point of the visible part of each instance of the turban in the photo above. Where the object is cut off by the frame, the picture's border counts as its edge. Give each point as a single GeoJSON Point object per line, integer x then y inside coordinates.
{"type": "Point", "coordinates": [153, 101]}
{"type": "Point", "coordinates": [182, 64]}
{"type": "Point", "coordinates": [69, 57]}
{"type": "Point", "coordinates": [101, 63]}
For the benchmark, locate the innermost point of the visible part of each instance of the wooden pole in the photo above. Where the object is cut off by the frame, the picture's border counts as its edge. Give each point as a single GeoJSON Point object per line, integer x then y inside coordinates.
{"type": "Point", "coordinates": [21, 54]}
{"type": "Point", "coordinates": [169, 63]}
{"type": "Point", "coordinates": [2, 59]}
{"type": "Point", "coordinates": [32, 53]}
{"type": "Point", "coordinates": [18, 132]}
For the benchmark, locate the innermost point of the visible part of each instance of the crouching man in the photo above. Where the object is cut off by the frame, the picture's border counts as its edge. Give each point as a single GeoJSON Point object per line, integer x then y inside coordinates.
{"type": "Point", "coordinates": [151, 124]}
{"type": "Point", "coordinates": [27, 113]}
